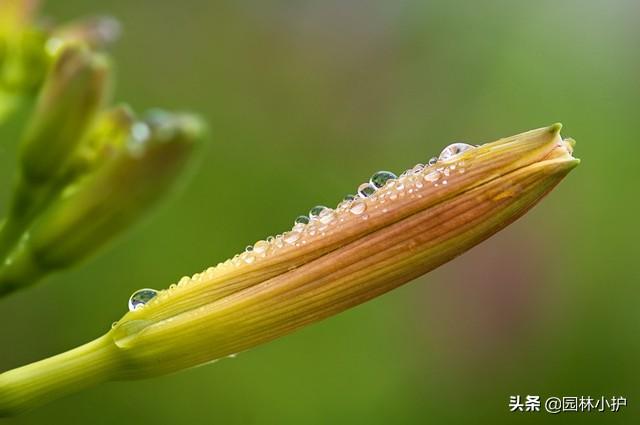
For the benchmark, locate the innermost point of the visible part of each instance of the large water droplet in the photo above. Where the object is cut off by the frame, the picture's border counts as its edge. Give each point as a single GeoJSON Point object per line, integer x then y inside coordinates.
{"type": "Point", "coordinates": [141, 297]}
{"type": "Point", "coordinates": [358, 207]}
{"type": "Point", "coordinates": [366, 189]}
{"type": "Point", "coordinates": [301, 219]}
{"type": "Point", "coordinates": [381, 177]}
{"type": "Point", "coordinates": [453, 150]}
{"type": "Point", "coordinates": [315, 211]}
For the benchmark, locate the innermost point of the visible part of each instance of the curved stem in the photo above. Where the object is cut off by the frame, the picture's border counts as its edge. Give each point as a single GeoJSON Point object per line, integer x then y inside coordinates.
{"type": "Point", "coordinates": [37, 383]}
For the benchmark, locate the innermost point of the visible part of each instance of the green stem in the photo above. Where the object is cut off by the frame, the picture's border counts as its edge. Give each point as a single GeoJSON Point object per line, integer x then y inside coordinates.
{"type": "Point", "coordinates": [16, 266]}
{"type": "Point", "coordinates": [26, 202]}
{"type": "Point", "coordinates": [19, 270]}
{"type": "Point", "coordinates": [37, 383]}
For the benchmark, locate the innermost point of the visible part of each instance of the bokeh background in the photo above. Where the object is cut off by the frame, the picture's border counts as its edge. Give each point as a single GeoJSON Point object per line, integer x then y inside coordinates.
{"type": "Point", "coordinates": [305, 99]}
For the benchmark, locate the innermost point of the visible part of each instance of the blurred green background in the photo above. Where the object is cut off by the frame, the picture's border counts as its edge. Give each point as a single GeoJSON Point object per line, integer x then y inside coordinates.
{"type": "Point", "coordinates": [305, 99]}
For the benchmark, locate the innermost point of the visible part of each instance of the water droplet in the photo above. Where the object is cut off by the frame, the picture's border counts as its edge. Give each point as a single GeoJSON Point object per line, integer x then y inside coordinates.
{"type": "Point", "coordinates": [349, 198]}
{"type": "Point", "coordinates": [432, 176]}
{"type": "Point", "coordinates": [291, 237]}
{"type": "Point", "coordinates": [249, 258]}
{"type": "Point", "coordinates": [417, 168]}
{"type": "Point", "coordinates": [261, 247]}
{"type": "Point", "coordinates": [327, 216]}
{"type": "Point", "coordinates": [381, 177]}
{"type": "Point", "coordinates": [249, 248]}
{"type": "Point", "coordinates": [358, 207]}
{"type": "Point", "coordinates": [301, 219]}
{"type": "Point", "coordinates": [366, 189]}
{"type": "Point", "coordinates": [344, 205]}
{"type": "Point", "coordinates": [114, 324]}
{"type": "Point", "coordinates": [315, 211]}
{"type": "Point", "coordinates": [141, 297]}
{"type": "Point", "coordinates": [433, 160]}
{"type": "Point", "coordinates": [453, 150]}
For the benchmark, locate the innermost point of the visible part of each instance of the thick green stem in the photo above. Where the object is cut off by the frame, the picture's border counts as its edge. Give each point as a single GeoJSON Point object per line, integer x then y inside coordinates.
{"type": "Point", "coordinates": [37, 383]}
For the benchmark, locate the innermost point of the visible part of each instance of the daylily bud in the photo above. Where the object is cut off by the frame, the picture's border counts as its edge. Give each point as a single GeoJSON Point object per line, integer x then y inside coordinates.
{"type": "Point", "coordinates": [103, 141]}
{"type": "Point", "coordinates": [107, 201]}
{"type": "Point", "coordinates": [73, 92]}
{"type": "Point", "coordinates": [397, 230]}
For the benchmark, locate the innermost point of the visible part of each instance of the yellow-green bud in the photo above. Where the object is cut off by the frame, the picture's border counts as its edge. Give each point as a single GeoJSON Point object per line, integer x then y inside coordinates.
{"type": "Point", "coordinates": [107, 201]}
{"type": "Point", "coordinates": [73, 92]}
{"type": "Point", "coordinates": [339, 258]}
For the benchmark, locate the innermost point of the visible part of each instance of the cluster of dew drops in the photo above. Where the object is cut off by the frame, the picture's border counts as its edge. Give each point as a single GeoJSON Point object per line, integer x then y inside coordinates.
{"type": "Point", "coordinates": [320, 219]}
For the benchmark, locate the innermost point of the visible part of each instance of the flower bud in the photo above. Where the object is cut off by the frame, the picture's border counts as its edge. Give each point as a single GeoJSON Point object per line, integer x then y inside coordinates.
{"type": "Point", "coordinates": [107, 201]}
{"type": "Point", "coordinates": [330, 261]}
{"type": "Point", "coordinates": [73, 92]}
{"type": "Point", "coordinates": [343, 257]}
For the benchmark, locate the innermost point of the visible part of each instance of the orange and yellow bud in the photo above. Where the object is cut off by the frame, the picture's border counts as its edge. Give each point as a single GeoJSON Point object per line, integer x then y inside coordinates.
{"type": "Point", "coordinates": [395, 230]}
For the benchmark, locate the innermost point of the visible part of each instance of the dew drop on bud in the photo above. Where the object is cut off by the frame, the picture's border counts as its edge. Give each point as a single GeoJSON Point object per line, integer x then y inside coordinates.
{"type": "Point", "coordinates": [291, 237]}
{"type": "Point", "coordinates": [261, 247]}
{"type": "Point", "coordinates": [366, 189]}
{"type": "Point", "coordinates": [453, 150]}
{"type": "Point", "coordinates": [358, 207]}
{"type": "Point", "coordinates": [327, 216]}
{"type": "Point", "coordinates": [381, 177]}
{"type": "Point", "coordinates": [349, 198]}
{"type": "Point", "coordinates": [302, 219]}
{"type": "Point", "coordinates": [315, 211]}
{"type": "Point", "coordinates": [417, 168]}
{"type": "Point", "coordinates": [141, 297]}
{"type": "Point", "coordinates": [249, 258]}
{"type": "Point", "coordinates": [432, 176]}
